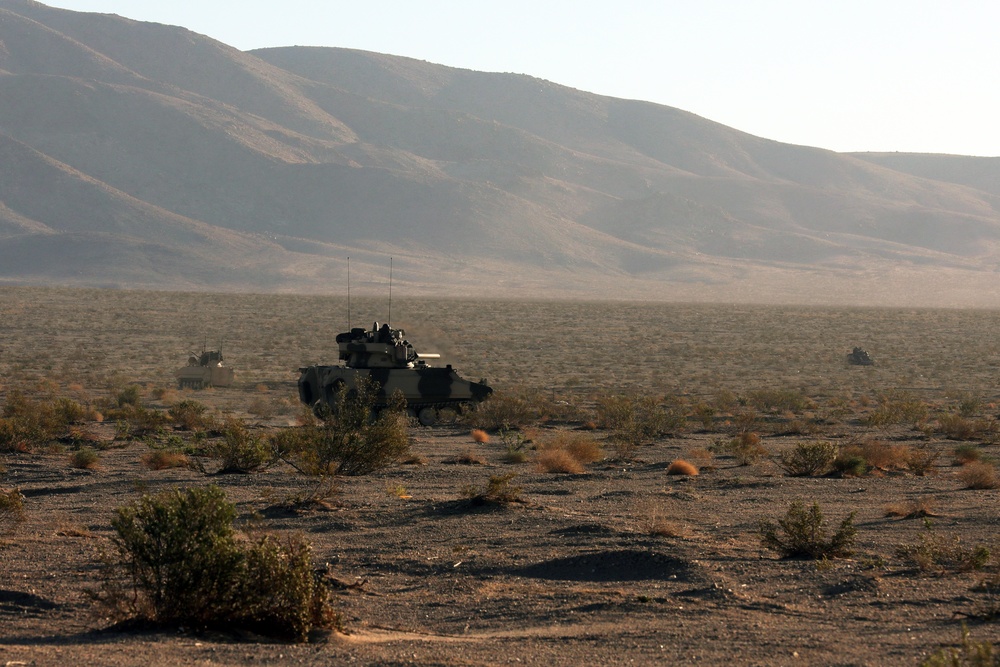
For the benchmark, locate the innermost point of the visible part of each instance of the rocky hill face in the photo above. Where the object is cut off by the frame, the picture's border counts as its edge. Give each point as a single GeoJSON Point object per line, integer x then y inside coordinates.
{"type": "Point", "coordinates": [142, 155]}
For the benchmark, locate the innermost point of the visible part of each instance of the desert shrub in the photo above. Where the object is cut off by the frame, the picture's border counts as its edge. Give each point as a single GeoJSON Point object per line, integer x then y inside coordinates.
{"type": "Point", "coordinates": [581, 446]}
{"type": "Point", "coordinates": [515, 444]}
{"type": "Point", "coordinates": [66, 411]}
{"type": "Point", "coordinates": [638, 418]}
{"type": "Point", "coordinates": [704, 414]}
{"type": "Point", "coordinates": [850, 462]}
{"type": "Point", "coordinates": [960, 427]}
{"type": "Point", "coordinates": [968, 654]}
{"type": "Point", "coordinates": [914, 509]}
{"type": "Point", "coordinates": [189, 415]}
{"type": "Point", "coordinates": [967, 454]}
{"type": "Point", "coordinates": [520, 408]}
{"type": "Point", "coordinates": [922, 460]}
{"type": "Point", "coordinates": [138, 420]}
{"type": "Point", "coordinates": [886, 456]}
{"type": "Point", "coordinates": [896, 407]}
{"type": "Point", "coordinates": [130, 395]}
{"type": "Point", "coordinates": [241, 450]}
{"type": "Point", "coordinates": [969, 404]}
{"type": "Point", "coordinates": [498, 491]}
{"type": "Point", "coordinates": [84, 458]}
{"type": "Point", "coordinates": [186, 568]}
{"type": "Point", "coordinates": [350, 440]}
{"type": "Point", "coordinates": [558, 460]}
{"type": "Point", "coordinates": [466, 457]}
{"type": "Point", "coordinates": [808, 459]}
{"type": "Point", "coordinates": [681, 467]}
{"type": "Point", "coordinates": [777, 400]}
{"type": "Point", "coordinates": [746, 448]}
{"type": "Point", "coordinates": [801, 534]}
{"type": "Point", "coordinates": [162, 459]}
{"type": "Point", "coordinates": [933, 552]}
{"type": "Point", "coordinates": [979, 475]}
{"type": "Point", "coordinates": [479, 435]}
{"type": "Point", "coordinates": [11, 508]}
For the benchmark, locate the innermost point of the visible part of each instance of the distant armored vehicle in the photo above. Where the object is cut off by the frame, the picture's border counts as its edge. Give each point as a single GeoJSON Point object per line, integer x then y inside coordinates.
{"type": "Point", "coordinates": [860, 357]}
{"type": "Point", "coordinates": [385, 356]}
{"type": "Point", "coordinates": [205, 371]}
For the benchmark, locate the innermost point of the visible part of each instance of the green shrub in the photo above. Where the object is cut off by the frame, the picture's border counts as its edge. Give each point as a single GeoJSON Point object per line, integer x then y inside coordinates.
{"type": "Point", "coordinates": [84, 458]}
{"type": "Point", "coordinates": [350, 439]}
{"type": "Point", "coordinates": [241, 450]}
{"type": "Point", "coordinates": [186, 568]}
{"type": "Point", "coordinates": [801, 534]}
{"type": "Point", "coordinates": [809, 459]}
{"type": "Point", "coordinates": [935, 553]}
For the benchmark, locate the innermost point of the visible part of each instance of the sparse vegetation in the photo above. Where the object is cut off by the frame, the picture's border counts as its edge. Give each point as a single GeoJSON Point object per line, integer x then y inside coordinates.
{"type": "Point", "coordinates": [85, 458]}
{"type": "Point", "coordinates": [968, 654]}
{"type": "Point", "coordinates": [746, 448]}
{"type": "Point", "coordinates": [933, 552]}
{"type": "Point", "coordinates": [681, 467]}
{"type": "Point", "coordinates": [11, 508]}
{"type": "Point", "coordinates": [241, 450]}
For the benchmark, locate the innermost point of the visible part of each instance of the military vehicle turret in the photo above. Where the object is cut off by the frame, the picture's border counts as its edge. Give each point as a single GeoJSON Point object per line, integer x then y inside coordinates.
{"type": "Point", "coordinates": [385, 356]}
{"type": "Point", "coordinates": [860, 357]}
{"type": "Point", "coordinates": [205, 370]}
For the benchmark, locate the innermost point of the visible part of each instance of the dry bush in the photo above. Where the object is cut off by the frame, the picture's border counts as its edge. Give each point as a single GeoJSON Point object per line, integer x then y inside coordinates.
{"type": "Point", "coordinates": [162, 459]}
{"type": "Point", "coordinates": [896, 407]}
{"type": "Point", "coordinates": [809, 459]}
{"type": "Point", "coordinates": [636, 418]}
{"type": "Point", "coordinates": [959, 427]}
{"type": "Point", "coordinates": [979, 475]}
{"type": "Point", "coordinates": [922, 460]}
{"type": "Point", "coordinates": [968, 654]}
{"type": "Point", "coordinates": [703, 459]}
{"type": "Point", "coordinates": [776, 401]}
{"type": "Point", "coordinates": [519, 408]}
{"type": "Point", "coordinates": [967, 454]}
{"type": "Point", "coordinates": [884, 456]}
{"type": "Point", "coordinates": [746, 448]}
{"type": "Point", "coordinates": [681, 467]}
{"type": "Point", "coordinates": [479, 435]}
{"type": "Point", "coordinates": [558, 460]}
{"type": "Point", "coordinates": [498, 491]}
{"type": "Point", "coordinates": [850, 462]}
{"type": "Point", "coordinates": [584, 447]}
{"type": "Point", "coordinates": [914, 509]}
{"type": "Point", "coordinates": [11, 508]}
{"type": "Point", "coordinates": [467, 457]}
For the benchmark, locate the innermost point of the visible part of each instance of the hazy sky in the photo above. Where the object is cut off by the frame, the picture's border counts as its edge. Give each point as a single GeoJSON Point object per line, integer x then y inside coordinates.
{"type": "Point", "coordinates": [874, 75]}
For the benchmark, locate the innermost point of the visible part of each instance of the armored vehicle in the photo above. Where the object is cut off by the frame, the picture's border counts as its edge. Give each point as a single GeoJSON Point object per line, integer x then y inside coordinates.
{"type": "Point", "coordinates": [860, 357]}
{"type": "Point", "coordinates": [385, 356]}
{"type": "Point", "coordinates": [205, 370]}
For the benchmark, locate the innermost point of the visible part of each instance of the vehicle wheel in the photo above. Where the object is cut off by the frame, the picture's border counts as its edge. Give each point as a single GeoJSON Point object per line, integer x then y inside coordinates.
{"type": "Point", "coordinates": [448, 415]}
{"type": "Point", "coordinates": [428, 416]}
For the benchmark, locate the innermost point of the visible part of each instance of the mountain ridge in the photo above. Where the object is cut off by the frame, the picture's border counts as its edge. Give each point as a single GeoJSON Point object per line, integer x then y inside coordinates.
{"type": "Point", "coordinates": [197, 161]}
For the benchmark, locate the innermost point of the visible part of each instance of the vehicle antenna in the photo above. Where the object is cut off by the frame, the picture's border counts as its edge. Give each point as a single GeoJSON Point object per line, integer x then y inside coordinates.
{"type": "Point", "coordinates": [348, 293]}
{"type": "Point", "coordinates": [389, 322]}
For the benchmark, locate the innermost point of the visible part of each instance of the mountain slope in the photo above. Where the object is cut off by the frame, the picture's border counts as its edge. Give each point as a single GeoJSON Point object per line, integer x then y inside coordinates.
{"type": "Point", "coordinates": [138, 154]}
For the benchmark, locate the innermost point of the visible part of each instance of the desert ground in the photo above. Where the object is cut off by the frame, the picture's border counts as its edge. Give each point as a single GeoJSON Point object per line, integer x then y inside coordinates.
{"type": "Point", "coordinates": [615, 562]}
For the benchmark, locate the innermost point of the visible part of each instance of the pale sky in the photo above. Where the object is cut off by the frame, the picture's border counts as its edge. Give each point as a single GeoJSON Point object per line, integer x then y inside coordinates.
{"type": "Point", "coordinates": [852, 75]}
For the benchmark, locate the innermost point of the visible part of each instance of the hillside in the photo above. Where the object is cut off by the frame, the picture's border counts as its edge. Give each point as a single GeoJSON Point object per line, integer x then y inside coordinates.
{"type": "Point", "coordinates": [143, 155]}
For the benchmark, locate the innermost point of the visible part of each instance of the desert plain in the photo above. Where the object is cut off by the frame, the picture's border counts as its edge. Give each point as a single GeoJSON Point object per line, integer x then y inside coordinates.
{"type": "Point", "coordinates": [615, 562]}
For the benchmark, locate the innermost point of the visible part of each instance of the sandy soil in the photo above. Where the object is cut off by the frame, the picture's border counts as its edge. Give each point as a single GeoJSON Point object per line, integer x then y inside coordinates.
{"type": "Point", "coordinates": [622, 564]}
